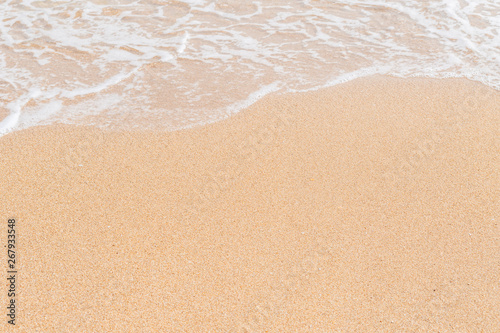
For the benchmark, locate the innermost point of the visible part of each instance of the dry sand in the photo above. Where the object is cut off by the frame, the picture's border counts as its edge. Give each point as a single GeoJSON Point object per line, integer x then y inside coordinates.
{"type": "Point", "coordinates": [372, 206]}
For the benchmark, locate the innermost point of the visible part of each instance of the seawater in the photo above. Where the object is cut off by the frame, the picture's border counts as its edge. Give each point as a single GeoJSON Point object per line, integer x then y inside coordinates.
{"type": "Point", "coordinates": [161, 64]}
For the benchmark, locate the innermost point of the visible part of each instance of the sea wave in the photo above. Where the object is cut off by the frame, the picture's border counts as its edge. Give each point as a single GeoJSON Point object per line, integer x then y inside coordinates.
{"type": "Point", "coordinates": [176, 64]}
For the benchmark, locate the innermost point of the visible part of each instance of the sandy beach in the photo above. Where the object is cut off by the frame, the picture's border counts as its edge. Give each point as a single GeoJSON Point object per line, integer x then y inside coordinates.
{"type": "Point", "coordinates": [370, 206]}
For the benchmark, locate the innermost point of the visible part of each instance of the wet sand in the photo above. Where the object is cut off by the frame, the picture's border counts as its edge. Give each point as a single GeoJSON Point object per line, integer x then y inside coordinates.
{"type": "Point", "coordinates": [372, 206]}
{"type": "Point", "coordinates": [3, 113]}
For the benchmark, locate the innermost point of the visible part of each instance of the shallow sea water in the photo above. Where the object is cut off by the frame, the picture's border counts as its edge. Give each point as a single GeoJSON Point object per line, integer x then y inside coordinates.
{"type": "Point", "coordinates": [167, 65]}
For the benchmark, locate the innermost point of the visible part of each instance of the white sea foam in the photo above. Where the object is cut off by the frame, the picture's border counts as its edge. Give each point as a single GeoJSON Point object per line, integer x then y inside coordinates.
{"type": "Point", "coordinates": [177, 64]}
